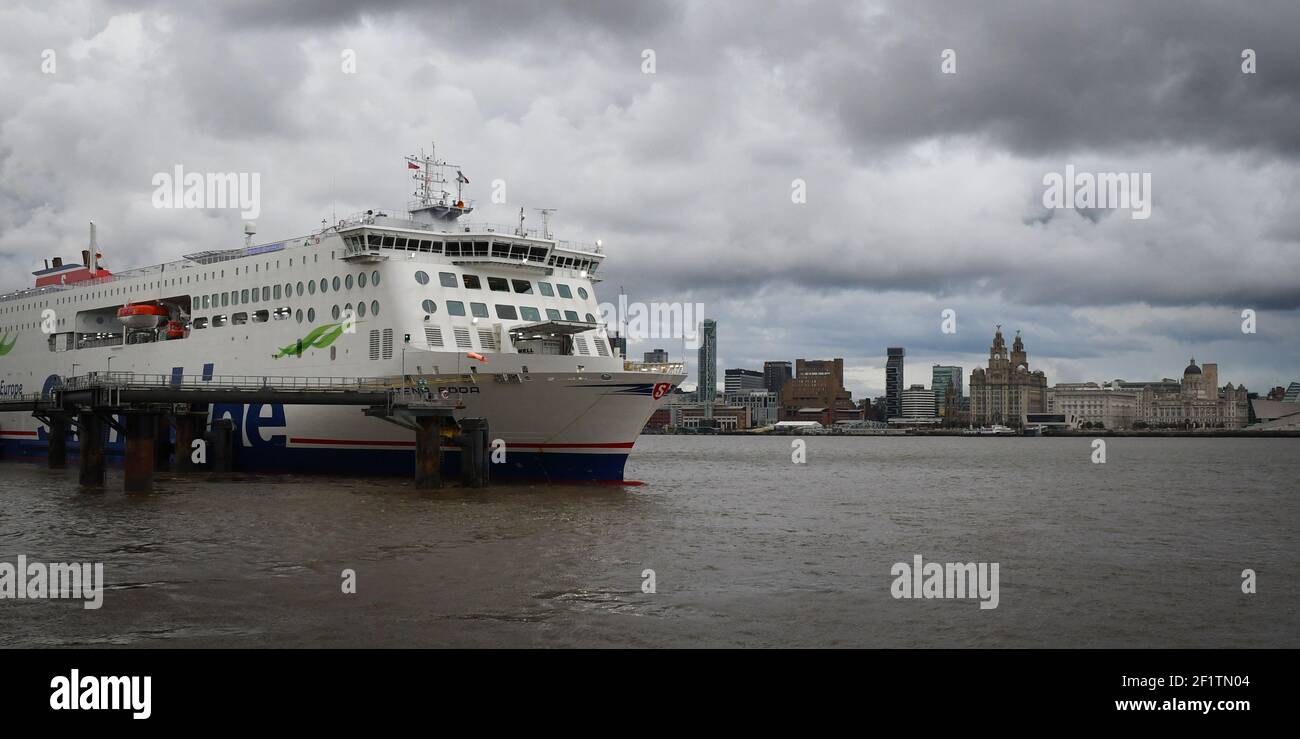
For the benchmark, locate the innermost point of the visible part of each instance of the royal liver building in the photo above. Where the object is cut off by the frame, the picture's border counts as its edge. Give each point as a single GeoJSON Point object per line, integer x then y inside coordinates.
{"type": "Point", "coordinates": [1007, 390]}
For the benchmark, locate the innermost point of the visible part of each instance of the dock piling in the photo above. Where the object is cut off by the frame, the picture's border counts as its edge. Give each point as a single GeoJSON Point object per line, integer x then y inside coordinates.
{"type": "Point", "coordinates": [91, 430]}
{"type": "Point", "coordinates": [141, 440]}
{"type": "Point", "coordinates": [57, 452]}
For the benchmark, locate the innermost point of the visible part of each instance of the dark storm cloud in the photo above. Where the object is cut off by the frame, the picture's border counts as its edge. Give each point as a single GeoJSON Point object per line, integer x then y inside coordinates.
{"type": "Point", "coordinates": [1042, 78]}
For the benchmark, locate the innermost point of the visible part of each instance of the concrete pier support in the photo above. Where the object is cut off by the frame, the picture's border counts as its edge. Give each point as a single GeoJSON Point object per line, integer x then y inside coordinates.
{"type": "Point", "coordinates": [474, 452]}
{"type": "Point", "coordinates": [221, 445]}
{"type": "Point", "coordinates": [91, 432]}
{"type": "Point", "coordinates": [162, 444]}
{"type": "Point", "coordinates": [428, 453]}
{"type": "Point", "coordinates": [57, 454]}
{"type": "Point", "coordinates": [141, 439]}
{"type": "Point", "coordinates": [189, 426]}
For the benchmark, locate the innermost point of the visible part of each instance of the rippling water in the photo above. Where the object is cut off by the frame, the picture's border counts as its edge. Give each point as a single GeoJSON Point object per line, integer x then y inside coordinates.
{"type": "Point", "coordinates": [748, 549]}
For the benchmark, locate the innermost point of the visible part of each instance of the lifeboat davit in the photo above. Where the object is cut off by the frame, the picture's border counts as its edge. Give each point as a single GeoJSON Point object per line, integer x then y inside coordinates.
{"type": "Point", "coordinates": [141, 315]}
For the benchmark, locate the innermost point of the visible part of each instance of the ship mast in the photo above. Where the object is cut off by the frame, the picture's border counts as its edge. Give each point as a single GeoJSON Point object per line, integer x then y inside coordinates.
{"type": "Point", "coordinates": [433, 202]}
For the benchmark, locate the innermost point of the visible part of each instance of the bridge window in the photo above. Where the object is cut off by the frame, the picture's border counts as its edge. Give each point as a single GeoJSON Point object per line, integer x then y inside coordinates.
{"type": "Point", "coordinates": [546, 289]}
{"type": "Point", "coordinates": [523, 287]}
{"type": "Point", "coordinates": [498, 284]}
{"type": "Point", "coordinates": [507, 312]}
{"type": "Point", "coordinates": [478, 310]}
{"type": "Point", "coordinates": [570, 315]}
{"type": "Point", "coordinates": [447, 279]}
{"type": "Point", "coordinates": [455, 308]}
{"type": "Point", "coordinates": [564, 290]}
{"type": "Point", "coordinates": [472, 282]}
{"type": "Point", "coordinates": [530, 314]}
{"type": "Point", "coordinates": [552, 314]}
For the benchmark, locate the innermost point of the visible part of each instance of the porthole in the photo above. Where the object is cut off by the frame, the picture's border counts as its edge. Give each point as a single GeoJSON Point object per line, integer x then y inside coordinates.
{"type": "Point", "coordinates": [347, 282]}
{"type": "Point", "coordinates": [311, 315]}
{"type": "Point", "coordinates": [361, 310]}
{"type": "Point", "coordinates": [334, 313]}
{"type": "Point", "coordinates": [374, 308]}
{"type": "Point", "coordinates": [324, 285]}
{"type": "Point", "coordinates": [429, 306]}
{"type": "Point", "coordinates": [422, 277]}
{"type": "Point", "coordinates": [298, 316]}
{"type": "Point", "coordinates": [361, 280]}
{"type": "Point", "coordinates": [374, 278]}
{"type": "Point", "coordinates": [300, 289]}
{"type": "Point", "coordinates": [337, 282]}
{"type": "Point", "coordinates": [311, 288]}
{"type": "Point", "coordinates": [582, 293]}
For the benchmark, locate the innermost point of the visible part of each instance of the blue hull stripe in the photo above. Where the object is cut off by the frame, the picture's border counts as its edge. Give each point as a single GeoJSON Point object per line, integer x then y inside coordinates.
{"type": "Point", "coordinates": [531, 466]}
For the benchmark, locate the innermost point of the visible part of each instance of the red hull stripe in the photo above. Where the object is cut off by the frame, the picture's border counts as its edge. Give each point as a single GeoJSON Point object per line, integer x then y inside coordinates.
{"type": "Point", "coordinates": [379, 442]}
{"type": "Point", "coordinates": [17, 433]}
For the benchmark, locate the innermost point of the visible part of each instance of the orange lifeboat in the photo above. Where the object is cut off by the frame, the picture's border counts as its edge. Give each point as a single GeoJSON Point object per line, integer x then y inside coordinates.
{"type": "Point", "coordinates": [141, 315]}
{"type": "Point", "coordinates": [175, 330]}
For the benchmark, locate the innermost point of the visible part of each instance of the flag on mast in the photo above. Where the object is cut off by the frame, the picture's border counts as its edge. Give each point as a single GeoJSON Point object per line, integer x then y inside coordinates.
{"type": "Point", "coordinates": [412, 165]}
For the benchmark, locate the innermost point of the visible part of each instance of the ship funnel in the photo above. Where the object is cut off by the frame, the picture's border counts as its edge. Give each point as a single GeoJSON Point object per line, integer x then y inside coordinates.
{"type": "Point", "coordinates": [93, 261]}
{"type": "Point", "coordinates": [58, 262]}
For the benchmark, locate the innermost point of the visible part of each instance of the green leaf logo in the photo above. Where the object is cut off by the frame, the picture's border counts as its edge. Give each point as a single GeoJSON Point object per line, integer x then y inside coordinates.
{"type": "Point", "coordinates": [319, 338]}
{"type": "Point", "coordinates": [7, 344]}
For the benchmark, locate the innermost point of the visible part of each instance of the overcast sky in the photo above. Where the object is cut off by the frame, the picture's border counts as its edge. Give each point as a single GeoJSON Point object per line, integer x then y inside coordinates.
{"type": "Point", "coordinates": [924, 189]}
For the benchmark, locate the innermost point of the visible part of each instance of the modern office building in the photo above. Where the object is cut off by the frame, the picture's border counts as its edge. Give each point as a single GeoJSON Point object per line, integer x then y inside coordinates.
{"type": "Point", "coordinates": [1292, 393]}
{"type": "Point", "coordinates": [1007, 390]}
{"type": "Point", "coordinates": [918, 403]}
{"type": "Point", "coordinates": [741, 381]}
{"type": "Point", "coordinates": [894, 381]}
{"type": "Point", "coordinates": [764, 406]}
{"type": "Point", "coordinates": [656, 356]}
{"type": "Point", "coordinates": [776, 375]}
{"type": "Point", "coordinates": [943, 377]}
{"type": "Point", "coordinates": [707, 388]}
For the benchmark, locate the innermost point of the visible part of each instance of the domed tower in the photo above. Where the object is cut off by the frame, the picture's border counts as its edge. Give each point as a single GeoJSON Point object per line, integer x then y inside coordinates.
{"type": "Point", "coordinates": [998, 352]}
{"type": "Point", "coordinates": [1019, 359]}
{"type": "Point", "coordinates": [1192, 380]}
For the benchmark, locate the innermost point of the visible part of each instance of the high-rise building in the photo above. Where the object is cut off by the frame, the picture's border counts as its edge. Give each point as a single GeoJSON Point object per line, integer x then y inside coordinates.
{"type": "Point", "coordinates": [941, 378]}
{"type": "Point", "coordinates": [1007, 390]}
{"type": "Point", "coordinates": [776, 375]}
{"type": "Point", "coordinates": [656, 356]}
{"type": "Point", "coordinates": [741, 381]}
{"type": "Point", "coordinates": [918, 402]}
{"type": "Point", "coordinates": [707, 388]}
{"type": "Point", "coordinates": [894, 381]}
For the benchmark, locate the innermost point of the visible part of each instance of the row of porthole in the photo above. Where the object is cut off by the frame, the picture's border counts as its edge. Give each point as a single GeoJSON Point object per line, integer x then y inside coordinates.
{"type": "Point", "coordinates": [337, 313]}
{"type": "Point", "coordinates": [344, 283]}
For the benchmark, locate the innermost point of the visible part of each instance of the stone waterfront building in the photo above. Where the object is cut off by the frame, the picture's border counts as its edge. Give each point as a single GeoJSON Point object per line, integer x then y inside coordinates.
{"type": "Point", "coordinates": [1007, 390]}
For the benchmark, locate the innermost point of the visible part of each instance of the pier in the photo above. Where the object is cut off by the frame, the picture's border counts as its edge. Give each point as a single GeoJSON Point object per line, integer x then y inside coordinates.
{"type": "Point", "coordinates": [145, 409]}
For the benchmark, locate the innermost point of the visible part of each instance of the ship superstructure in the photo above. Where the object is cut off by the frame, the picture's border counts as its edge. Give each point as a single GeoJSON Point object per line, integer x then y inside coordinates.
{"type": "Point", "coordinates": [504, 317]}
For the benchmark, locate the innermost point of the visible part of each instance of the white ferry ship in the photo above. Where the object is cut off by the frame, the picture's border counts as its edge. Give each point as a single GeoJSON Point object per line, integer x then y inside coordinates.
{"type": "Point", "coordinates": [506, 319]}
